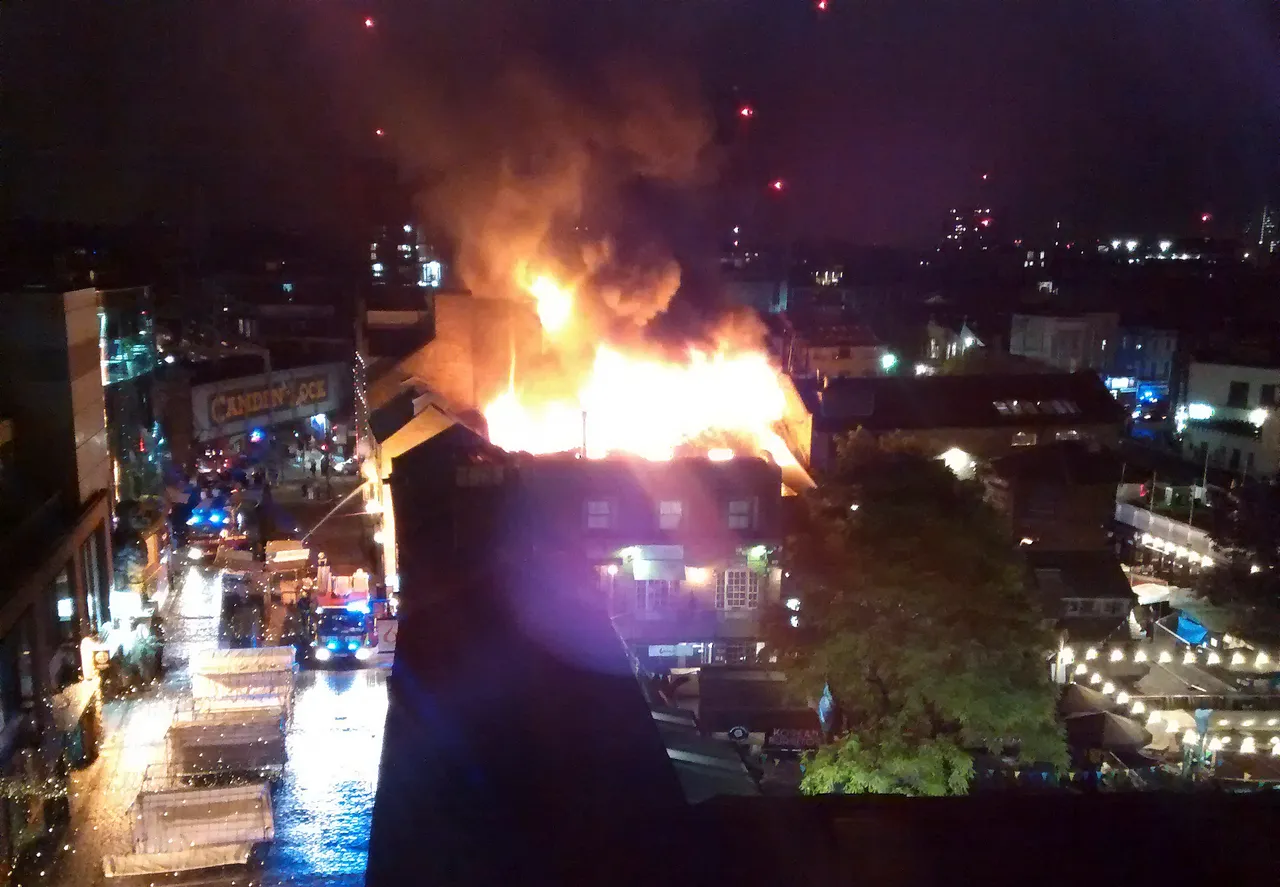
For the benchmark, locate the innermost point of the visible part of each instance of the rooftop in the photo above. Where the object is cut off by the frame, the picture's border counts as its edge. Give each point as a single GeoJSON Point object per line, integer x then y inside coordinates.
{"type": "Point", "coordinates": [889, 403]}
{"type": "Point", "coordinates": [1071, 462]}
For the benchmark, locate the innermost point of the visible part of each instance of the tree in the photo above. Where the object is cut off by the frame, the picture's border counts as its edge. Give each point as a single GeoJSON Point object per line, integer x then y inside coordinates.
{"type": "Point", "coordinates": [915, 613]}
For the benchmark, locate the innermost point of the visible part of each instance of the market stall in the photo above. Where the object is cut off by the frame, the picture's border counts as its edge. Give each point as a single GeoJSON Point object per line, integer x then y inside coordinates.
{"type": "Point", "coordinates": [251, 676]}
{"type": "Point", "coordinates": [233, 735]}
{"type": "Point", "coordinates": [182, 828]}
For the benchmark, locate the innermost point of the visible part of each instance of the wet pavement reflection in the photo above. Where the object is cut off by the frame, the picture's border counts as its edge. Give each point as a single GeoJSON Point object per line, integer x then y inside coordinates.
{"type": "Point", "coordinates": [324, 804]}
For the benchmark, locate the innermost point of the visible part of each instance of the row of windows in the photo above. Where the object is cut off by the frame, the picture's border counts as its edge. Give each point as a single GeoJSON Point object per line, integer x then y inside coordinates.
{"type": "Point", "coordinates": [1161, 344]}
{"type": "Point", "coordinates": [1238, 395]}
{"type": "Point", "coordinates": [1109, 607]}
{"type": "Point", "coordinates": [1036, 408]}
{"type": "Point", "coordinates": [735, 590]}
{"type": "Point", "coordinates": [602, 514]}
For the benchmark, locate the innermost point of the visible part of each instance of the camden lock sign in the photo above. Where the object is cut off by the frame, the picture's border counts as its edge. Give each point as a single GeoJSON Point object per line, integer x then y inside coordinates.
{"type": "Point", "coordinates": [286, 395]}
{"type": "Point", "coordinates": [236, 404]}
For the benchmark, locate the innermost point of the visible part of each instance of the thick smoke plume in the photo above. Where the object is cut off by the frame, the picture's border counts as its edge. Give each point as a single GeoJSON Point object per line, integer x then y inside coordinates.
{"type": "Point", "coordinates": [519, 168]}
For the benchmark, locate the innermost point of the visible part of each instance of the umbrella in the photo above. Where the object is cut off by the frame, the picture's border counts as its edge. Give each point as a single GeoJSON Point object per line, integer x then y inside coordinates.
{"type": "Point", "coordinates": [1105, 730]}
{"type": "Point", "coordinates": [1077, 699]}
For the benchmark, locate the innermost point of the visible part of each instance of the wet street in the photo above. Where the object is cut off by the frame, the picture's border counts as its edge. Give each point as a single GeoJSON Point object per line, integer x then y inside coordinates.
{"type": "Point", "coordinates": [324, 803]}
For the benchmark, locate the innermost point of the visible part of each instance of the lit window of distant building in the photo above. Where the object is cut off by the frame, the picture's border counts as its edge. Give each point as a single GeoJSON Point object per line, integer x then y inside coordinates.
{"type": "Point", "coordinates": [738, 590]}
{"type": "Point", "coordinates": [1024, 439]}
{"type": "Point", "coordinates": [599, 514]}
{"type": "Point", "coordinates": [653, 595]}
{"type": "Point", "coordinates": [670, 513]}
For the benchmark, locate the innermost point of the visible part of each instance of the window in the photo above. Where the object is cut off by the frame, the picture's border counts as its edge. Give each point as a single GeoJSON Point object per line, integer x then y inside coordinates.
{"type": "Point", "coordinates": [1069, 434]}
{"type": "Point", "coordinates": [654, 595]}
{"type": "Point", "coordinates": [599, 514]}
{"type": "Point", "coordinates": [740, 514]}
{"type": "Point", "coordinates": [1024, 439]}
{"type": "Point", "coordinates": [65, 605]}
{"type": "Point", "coordinates": [1073, 606]}
{"type": "Point", "coordinates": [738, 590]}
{"type": "Point", "coordinates": [1002, 407]}
{"type": "Point", "coordinates": [843, 352]}
{"type": "Point", "coordinates": [1267, 396]}
{"type": "Point", "coordinates": [1238, 395]}
{"type": "Point", "coordinates": [670, 512]}
{"type": "Point", "coordinates": [1111, 606]}
{"type": "Point", "coordinates": [17, 684]}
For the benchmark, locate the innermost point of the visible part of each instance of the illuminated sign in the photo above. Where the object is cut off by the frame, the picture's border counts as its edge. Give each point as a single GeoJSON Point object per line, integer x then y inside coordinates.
{"type": "Point", "coordinates": [289, 394]}
{"type": "Point", "coordinates": [790, 739]}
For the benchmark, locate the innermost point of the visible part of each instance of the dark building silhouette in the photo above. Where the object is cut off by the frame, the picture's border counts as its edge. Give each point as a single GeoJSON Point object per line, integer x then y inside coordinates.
{"type": "Point", "coordinates": [521, 750]}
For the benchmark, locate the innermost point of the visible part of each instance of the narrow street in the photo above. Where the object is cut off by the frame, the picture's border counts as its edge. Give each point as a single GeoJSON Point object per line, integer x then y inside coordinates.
{"type": "Point", "coordinates": [323, 806]}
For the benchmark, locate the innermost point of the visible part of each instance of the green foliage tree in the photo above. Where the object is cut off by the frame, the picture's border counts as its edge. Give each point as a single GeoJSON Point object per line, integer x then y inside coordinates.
{"type": "Point", "coordinates": [915, 613]}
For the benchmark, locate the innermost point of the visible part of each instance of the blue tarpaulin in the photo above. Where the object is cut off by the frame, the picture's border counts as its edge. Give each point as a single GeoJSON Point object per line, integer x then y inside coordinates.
{"type": "Point", "coordinates": [1190, 630]}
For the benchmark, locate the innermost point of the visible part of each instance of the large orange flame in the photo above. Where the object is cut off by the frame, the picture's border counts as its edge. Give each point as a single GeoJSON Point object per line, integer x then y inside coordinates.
{"type": "Point", "coordinates": [632, 400]}
{"type": "Point", "coordinates": [555, 303]}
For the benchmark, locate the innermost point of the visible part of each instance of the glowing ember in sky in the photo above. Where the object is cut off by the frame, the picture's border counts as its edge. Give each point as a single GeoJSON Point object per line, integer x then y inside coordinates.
{"type": "Point", "coordinates": [368, 22]}
{"type": "Point", "coordinates": [777, 184]}
{"type": "Point", "coordinates": [746, 111]}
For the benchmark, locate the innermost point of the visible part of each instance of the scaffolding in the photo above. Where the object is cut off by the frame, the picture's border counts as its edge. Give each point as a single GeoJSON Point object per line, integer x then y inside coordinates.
{"type": "Point", "coordinates": [181, 826]}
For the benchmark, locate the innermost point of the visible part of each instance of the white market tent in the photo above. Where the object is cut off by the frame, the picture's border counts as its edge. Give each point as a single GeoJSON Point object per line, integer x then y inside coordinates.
{"type": "Point", "coordinates": [184, 828]}
{"type": "Point", "coordinates": [237, 735]}
{"type": "Point", "coordinates": [253, 677]}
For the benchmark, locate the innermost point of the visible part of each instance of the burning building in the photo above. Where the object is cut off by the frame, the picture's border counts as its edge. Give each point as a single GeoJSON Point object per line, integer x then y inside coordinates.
{"type": "Point", "coordinates": [680, 553]}
{"type": "Point", "coordinates": [548, 378]}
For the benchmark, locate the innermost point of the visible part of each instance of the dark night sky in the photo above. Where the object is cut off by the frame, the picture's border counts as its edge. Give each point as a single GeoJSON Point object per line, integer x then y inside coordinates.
{"type": "Point", "coordinates": [880, 114]}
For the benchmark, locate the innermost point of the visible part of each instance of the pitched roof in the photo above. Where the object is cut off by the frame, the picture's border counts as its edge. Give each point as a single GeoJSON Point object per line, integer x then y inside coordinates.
{"type": "Point", "coordinates": [393, 415]}
{"type": "Point", "coordinates": [890, 403]}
